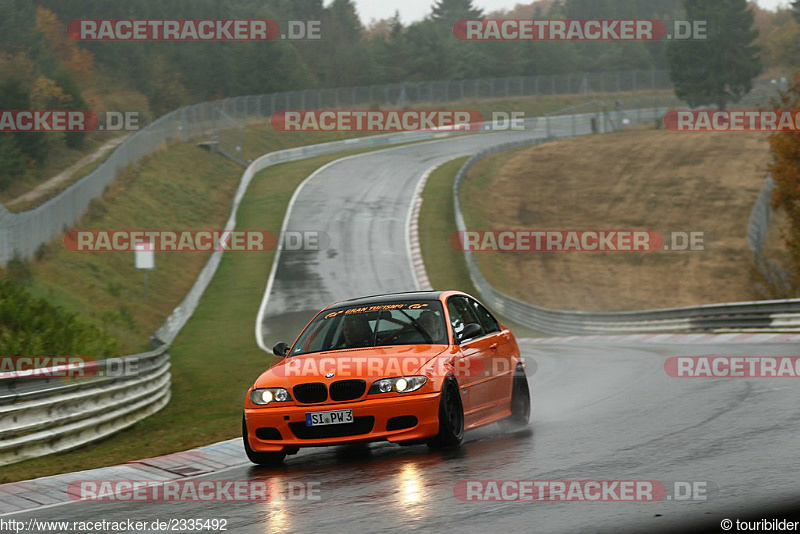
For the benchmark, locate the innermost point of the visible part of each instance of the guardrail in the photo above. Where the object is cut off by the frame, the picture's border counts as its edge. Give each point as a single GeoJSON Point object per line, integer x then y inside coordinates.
{"type": "Point", "coordinates": [771, 315]}
{"type": "Point", "coordinates": [42, 414]}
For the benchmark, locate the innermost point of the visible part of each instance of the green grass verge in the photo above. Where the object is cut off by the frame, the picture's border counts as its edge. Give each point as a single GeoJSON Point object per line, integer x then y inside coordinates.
{"type": "Point", "coordinates": [182, 187]}
{"type": "Point", "coordinates": [445, 266]}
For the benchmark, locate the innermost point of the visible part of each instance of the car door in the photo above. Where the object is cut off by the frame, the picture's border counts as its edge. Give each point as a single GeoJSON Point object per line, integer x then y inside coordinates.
{"type": "Point", "coordinates": [499, 355]}
{"type": "Point", "coordinates": [473, 369]}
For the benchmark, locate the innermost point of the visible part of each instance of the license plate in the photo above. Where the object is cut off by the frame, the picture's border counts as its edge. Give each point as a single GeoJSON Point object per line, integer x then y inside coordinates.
{"type": "Point", "coordinates": [337, 417]}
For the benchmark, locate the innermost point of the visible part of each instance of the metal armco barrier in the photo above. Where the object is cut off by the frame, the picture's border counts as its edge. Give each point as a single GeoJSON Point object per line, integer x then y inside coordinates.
{"type": "Point", "coordinates": [759, 316]}
{"type": "Point", "coordinates": [43, 415]}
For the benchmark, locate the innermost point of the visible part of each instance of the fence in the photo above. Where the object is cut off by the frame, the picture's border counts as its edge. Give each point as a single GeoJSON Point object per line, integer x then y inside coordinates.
{"type": "Point", "coordinates": [777, 280]}
{"type": "Point", "coordinates": [21, 234]}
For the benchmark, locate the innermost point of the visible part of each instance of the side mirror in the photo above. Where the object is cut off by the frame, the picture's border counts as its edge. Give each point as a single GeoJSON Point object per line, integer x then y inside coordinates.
{"type": "Point", "coordinates": [470, 331]}
{"type": "Point", "coordinates": [281, 349]}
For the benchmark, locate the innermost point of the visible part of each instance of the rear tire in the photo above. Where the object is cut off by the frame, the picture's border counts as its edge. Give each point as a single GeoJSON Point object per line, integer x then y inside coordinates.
{"type": "Point", "coordinates": [451, 418]}
{"type": "Point", "coordinates": [520, 399]}
{"type": "Point", "coordinates": [260, 458]}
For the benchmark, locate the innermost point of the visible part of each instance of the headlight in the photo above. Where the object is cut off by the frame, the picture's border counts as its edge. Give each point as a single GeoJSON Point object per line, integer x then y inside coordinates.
{"type": "Point", "coordinates": [263, 397]}
{"type": "Point", "coordinates": [403, 384]}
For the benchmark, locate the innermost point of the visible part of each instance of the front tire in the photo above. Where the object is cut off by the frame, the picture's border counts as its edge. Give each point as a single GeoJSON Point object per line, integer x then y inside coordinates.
{"type": "Point", "coordinates": [260, 458]}
{"type": "Point", "coordinates": [451, 418]}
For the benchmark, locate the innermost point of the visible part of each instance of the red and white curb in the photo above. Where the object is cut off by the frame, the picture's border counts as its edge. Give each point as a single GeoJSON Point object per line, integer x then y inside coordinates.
{"type": "Point", "coordinates": [47, 492]}
{"type": "Point", "coordinates": [700, 339]}
{"type": "Point", "coordinates": [421, 279]}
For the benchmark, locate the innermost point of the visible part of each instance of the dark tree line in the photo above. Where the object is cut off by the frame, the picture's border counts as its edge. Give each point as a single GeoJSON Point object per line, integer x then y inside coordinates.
{"type": "Point", "coordinates": [165, 75]}
{"type": "Point", "coordinates": [348, 54]}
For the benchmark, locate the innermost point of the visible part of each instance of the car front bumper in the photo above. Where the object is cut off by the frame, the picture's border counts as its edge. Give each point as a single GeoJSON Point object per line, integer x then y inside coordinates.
{"type": "Point", "coordinates": [425, 408]}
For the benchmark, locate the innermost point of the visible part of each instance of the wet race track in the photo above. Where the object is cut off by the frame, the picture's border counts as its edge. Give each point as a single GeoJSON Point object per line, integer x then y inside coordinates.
{"type": "Point", "coordinates": [600, 411]}
{"type": "Point", "coordinates": [362, 204]}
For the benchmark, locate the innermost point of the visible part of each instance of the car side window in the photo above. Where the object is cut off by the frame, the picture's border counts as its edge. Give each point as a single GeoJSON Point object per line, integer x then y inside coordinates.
{"type": "Point", "coordinates": [487, 320]}
{"type": "Point", "coordinates": [460, 314]}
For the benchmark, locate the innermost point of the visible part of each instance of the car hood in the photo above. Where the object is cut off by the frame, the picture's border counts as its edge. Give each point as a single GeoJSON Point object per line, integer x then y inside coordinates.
{"type": "Point", "coordinates": [367, 364]}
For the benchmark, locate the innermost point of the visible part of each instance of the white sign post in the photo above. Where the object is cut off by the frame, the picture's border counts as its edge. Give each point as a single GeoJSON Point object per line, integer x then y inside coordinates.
{"type": "Point", "coordinates": [145, 259]}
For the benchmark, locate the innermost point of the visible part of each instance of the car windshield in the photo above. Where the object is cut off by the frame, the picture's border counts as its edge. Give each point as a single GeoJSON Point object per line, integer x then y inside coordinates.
{"type": "Point", "coordinates": [372, 325]}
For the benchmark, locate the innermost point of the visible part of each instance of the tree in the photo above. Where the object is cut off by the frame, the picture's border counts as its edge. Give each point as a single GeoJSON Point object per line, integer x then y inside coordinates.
{"type": "Point", "coordinates": [781, 44]}
{"type": "Point", "coordinates": [449, 11]}
{"type": "Point", "coordinates": [347, 61]}
{"type": "Point", "coordinates": [69, 54]}
{"type": "Point", "coordinates": [388, 39]}
{"type": "Point", "coordinates": [14, 95]}
{"type": "Point", "coordinates": [718, 70]}
{"type": "Point", "coordinates": [66, 81]}
{"type": "Point", "coordinates": [12, 161]}
{"type": "Point", "coordinates": [46, 94]}
{"type": "Point", "coordinates": [796, 9]}
{"type": "Point", "coordinates": [16, 24]}
{"type": "Point", "coordinates": [785, 170]}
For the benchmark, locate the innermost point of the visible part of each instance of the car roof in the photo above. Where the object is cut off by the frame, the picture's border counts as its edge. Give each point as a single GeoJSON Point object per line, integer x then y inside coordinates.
{"type": "Point", "coordinates": [389, 297]}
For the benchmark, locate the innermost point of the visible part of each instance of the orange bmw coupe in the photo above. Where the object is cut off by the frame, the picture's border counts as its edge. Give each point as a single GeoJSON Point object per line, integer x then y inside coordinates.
{"type": "Point", "coordinates": [405, 367]}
